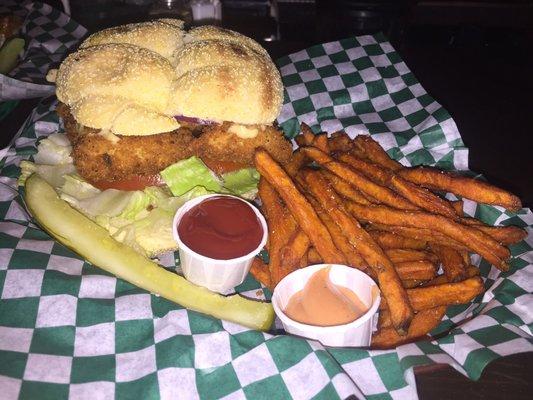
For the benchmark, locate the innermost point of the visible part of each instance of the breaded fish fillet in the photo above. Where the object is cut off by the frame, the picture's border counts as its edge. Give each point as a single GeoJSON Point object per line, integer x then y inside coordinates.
{"type": "Point", "coordinates": [217, 142]}
{"type": "Point", "coordinates": [97, 158]}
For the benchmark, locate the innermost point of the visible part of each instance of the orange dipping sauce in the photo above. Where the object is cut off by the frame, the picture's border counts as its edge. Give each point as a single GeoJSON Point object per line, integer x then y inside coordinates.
{"type": "Point", "coordinates": [322, 303]}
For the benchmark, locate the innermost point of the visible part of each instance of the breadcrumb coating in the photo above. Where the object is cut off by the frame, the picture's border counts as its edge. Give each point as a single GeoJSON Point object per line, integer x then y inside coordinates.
{"type": "Point", "coordinates": [97, 158]}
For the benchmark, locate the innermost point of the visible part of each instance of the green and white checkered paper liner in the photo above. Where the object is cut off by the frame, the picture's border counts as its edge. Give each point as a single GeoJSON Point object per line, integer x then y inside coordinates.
{"type": "Point", "coordinates": [49, 36]}
{"type": "Point", "coordinates": [68, 329]}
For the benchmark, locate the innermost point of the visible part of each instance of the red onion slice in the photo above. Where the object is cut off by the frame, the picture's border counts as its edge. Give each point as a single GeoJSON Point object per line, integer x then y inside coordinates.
{"type": "Point", "coordinates": [193, 120]}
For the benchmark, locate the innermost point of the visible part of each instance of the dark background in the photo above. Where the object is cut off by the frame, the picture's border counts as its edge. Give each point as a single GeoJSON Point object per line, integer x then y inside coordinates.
{"type": "Point", "coordinates": [474, 57]}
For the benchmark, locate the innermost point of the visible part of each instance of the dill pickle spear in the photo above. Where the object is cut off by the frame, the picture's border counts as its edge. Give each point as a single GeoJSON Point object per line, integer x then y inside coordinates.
{"type": "Point", "coordinates": [94, 243]}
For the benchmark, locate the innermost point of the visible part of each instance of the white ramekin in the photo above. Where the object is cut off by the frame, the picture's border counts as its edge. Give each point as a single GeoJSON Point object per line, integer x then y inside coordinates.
{"type": "Point", "coordinates": [354, 334]}
{"type": "Point", "coordinates": [216, 275]}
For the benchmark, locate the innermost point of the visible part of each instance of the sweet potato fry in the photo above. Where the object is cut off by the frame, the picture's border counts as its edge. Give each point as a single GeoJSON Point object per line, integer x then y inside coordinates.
{"type": "Point", "coordinates": [404, 255]}
{"type": "Point", "coordinates": [417, 195]}
{"type": "Point", "coordinates": [351, 254]}
{"type": "Point", "coordinates": [389, 282]}
{"type": "Point", "coordinates": [375, 152]}
{"type": "Point", "coordinates": [466, 257]}
{"type": "Point", "coordinates": [306, 136]}
{"type": "Point", "coordinates": [321, 142]}
{"type": "Point", "coordinates": [313, 257]}
{"type": "Point", "coordinates": [260, 272]}
{"type": "Point", "coordinates": [470, 272]}
{"type": "Point", "coordinates": [297, 161]}
{"type": "Point", "coordinates": [340, 141]}
{"type": "Point", "coordinates": [389, 240]}
{"type": "Point", "coordinates": [423, 198]}
{"type": "Point", "coordinates": [445, 294]}
{"type": "Point", "coordinates": [458, 207]}
{"type": "Point", "coordinates": [422, 234]}
{"type": "Point", "coordinates": [472, 189]}
{"type": "Point", "coordinates": [345, 189]}
{"type": "Point", "coordinates": [420, 270]}
{"type": "Point", "coordinates": [281, 226]}
{"type": "Point", "coordinates": [300, 140]}
{"type": "Point", "coordinates": [292, 253]}
{"type": "Point", "coordinates": [361, 182]}
{"type": "Point", "coordinates": [357, 152]}
{"type": "Point", "coordinates": [412, 283]}
{"type": "Point", "coordinates": [452, 263]}
{"type": "Point", "coordinates": [373, 171]}
{"type": "Point", "coordinates": [384, 320]}
{"type": "Point", "coordinates": [422, 323]}
{"type": "Point", "coordinates": [505, 235]}
{"type": "Point", "coordinates": [474, 239]}
{"type": "Point", "coordinates": [299, 207]}
{"type": "Point", "coordinates": [304, 261]}
{"type": "Point", "coordinates": [307, 133]}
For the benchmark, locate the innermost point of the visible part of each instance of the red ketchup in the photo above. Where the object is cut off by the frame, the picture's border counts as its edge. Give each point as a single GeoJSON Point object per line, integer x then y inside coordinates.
{"type": "Point", "coordinates": [221, 228]}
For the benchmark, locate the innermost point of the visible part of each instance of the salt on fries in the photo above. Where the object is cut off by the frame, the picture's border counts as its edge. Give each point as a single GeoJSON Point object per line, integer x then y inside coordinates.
{"type": "Point", "coordinates": [346, 201]}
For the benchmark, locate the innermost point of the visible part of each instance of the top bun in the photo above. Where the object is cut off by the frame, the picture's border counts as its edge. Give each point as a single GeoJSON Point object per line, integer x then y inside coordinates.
{"type": "Point", "coordinates": [163, 36]}
{"type": "Point", "coordinates": [133, 79]}
{"type": "Point", "coordinates": [209, 32]}
{"type": "Point", "coordinates": [225, 76]}
{"type": "Point", "coordinates": [103, 84]}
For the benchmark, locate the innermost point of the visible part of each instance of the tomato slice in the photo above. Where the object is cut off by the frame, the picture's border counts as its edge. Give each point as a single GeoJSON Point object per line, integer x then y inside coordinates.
{"type": "Point", "coordinates": [135, 182]}
{"type": "Point", "coordinates": [221, 167]}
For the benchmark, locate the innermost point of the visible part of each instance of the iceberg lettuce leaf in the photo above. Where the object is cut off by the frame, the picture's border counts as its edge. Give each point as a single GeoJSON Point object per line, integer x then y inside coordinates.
{"type": "Point", "coordinates": [54, 150]}
{"type": "Point", "coordinates": [153, 233]}
{"type": "Point", "coordinates": [110, 202]}
{"type": "Point", "coordinates": [184, 175]}
{"type": "Point", "coordinates": [77, 187]}
{"type": "Point", "coordinates": [53, 174]}
{"type": "Point", "coordinates": [242, 182]}
{"type": "Point", "coordinates": [140, 219]}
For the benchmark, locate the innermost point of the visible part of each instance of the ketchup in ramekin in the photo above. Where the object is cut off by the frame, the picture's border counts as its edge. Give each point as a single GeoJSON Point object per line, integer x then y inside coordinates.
{"type": "Point", "coordinates": [221, 227]}
{"type": "Point", "coordinates": [218, 237]}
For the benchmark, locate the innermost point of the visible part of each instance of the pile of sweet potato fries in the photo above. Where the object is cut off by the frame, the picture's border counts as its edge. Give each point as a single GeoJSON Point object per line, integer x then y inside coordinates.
{"type": "Point", "coordinates": [346, 201]}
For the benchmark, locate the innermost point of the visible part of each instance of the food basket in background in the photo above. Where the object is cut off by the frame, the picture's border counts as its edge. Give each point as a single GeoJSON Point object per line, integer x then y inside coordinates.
{"type": "Point", "coordinates": [49, 36]}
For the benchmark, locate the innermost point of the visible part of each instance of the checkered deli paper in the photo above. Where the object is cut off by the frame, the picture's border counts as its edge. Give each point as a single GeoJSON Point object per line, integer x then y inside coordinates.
{"type": "Point", "coordinates": [70, 330]}
{"type": "Point", "coordinates": [49, 36]}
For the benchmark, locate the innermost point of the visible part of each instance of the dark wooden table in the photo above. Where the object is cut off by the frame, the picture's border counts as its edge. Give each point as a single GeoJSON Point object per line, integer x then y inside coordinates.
{"type": "Point", "coordinates": [487, 89]}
